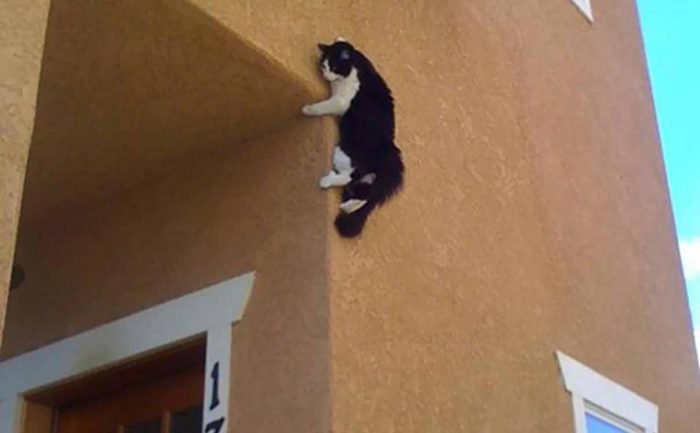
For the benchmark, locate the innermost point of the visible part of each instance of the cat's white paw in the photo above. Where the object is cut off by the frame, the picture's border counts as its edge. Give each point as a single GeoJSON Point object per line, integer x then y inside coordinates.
{"type": "Point", "coordinates": [350, 206]}
{"type": "Point", "coordinates": [335, 179]}
{"type": "Point", "coordinates": [327, 181]}
{"type": "Point", "coordinates": [310, 110]}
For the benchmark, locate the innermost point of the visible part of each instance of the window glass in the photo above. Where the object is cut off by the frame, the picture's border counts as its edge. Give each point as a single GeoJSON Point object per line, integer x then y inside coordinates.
{"type": "Point", "coordinates": [151, 426]}
{"type": "Point", "coordinates": [187, 421]}
{"type": "Point", "coordinates": [595, 424]}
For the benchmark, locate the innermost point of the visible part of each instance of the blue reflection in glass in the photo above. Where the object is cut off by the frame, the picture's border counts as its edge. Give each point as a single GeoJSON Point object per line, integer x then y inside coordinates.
{"type": "Point", "coordinates": [598, 425]}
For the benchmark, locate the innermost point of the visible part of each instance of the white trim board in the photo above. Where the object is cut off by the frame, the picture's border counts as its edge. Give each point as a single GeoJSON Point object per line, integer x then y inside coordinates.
{"type": "Point", "coordinates": [209, 311]}
{"type": "Point", "coordinates": [587, 385]}
{"type": "Point", "coordinates": [585, 7]}
{"type": "Point", "coordinates": [217, 380]}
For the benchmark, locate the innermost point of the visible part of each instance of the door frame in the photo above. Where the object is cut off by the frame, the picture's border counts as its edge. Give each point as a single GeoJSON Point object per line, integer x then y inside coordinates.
{"type": "Point", "coordinates": [211, 311]}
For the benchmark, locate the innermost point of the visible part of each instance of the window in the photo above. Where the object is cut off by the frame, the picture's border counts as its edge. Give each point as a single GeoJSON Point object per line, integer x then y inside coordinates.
{"type": "Point", "coordinates": [598, 420]}
{"type": "Point", "coordinates": [601, 405]}
{"type": "Point", "coordinates": [585, 8]}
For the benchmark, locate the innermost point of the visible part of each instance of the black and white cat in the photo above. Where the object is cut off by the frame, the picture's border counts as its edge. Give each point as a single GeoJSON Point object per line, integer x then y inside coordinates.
{"type": "Point", "coordinates": [366, 162]}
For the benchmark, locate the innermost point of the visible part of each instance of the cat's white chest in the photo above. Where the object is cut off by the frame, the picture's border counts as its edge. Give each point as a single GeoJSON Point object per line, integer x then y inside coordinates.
{"type": "Point", "coordinates": [345, 89]}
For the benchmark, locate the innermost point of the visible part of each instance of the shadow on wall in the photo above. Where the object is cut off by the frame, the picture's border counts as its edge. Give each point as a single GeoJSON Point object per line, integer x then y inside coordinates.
{"type": "Point", "coordinates": [131, 89]}
{"type": "Point", "coordinates": [167, 156]}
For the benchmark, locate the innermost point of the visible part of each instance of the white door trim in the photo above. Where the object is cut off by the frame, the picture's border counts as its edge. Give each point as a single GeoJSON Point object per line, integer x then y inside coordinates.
{"type": "Point", "coordinates": [209, 311]}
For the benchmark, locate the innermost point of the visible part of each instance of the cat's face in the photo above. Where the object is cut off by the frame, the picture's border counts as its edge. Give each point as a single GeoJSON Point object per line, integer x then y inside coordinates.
{"type": "Point", "coordinates": [336, 60]}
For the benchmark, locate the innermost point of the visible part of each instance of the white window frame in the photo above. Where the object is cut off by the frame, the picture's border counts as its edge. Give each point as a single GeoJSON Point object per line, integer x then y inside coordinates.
{"type": "Point", "coordinates": [593, 393]}
{"type": "Point", "coordinates": [585, 7]}
{"type": "Point", "coordinates": [211, 312]}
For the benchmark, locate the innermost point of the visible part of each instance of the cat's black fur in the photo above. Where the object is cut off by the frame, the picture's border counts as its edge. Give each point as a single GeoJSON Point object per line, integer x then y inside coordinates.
{"type": "Point", "coordinates": [366, 136]}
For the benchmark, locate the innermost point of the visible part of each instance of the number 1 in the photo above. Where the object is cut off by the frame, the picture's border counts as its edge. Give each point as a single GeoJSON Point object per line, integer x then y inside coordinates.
{"type": "Point", "coordinates": [215, 387]}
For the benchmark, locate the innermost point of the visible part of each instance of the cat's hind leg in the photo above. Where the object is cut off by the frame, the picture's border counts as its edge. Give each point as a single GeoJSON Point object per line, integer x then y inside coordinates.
{"type": "Point", "coordinates": [341, 174]}
{"type": "Point", "coordinates": [335, 179]}
{"type": "Point", "coordinates": [352, 205]}
{"type": "Point", "coordinates": [356, 195]}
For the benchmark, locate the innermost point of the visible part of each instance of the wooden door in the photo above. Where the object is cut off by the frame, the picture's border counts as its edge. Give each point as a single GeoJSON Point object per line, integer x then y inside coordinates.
{"type": "Point", "coordinates": [159, 394]}
{"type": "Point", "coordinates": [172, 404]}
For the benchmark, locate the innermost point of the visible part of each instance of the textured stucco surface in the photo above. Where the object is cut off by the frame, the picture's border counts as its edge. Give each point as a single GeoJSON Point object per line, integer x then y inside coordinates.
{"type": "Point", "coordinates": [129, 89]}
{"type": "Point", "coordinates": [535, 217]}
{"type": "Point", "coordinates": [240, 202]}
{"type": "Point", "coordinates": [212, 219]}
{"type": "Point", "coordinates": [22, 27]}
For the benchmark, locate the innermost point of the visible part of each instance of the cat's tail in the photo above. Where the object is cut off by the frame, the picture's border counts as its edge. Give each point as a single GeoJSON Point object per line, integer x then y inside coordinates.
{"type": "Point", "coordinates": [387, 182]}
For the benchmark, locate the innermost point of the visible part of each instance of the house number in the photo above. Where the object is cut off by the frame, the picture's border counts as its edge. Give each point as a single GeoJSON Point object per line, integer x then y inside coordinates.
{"type": "Point", "coordinates": [215, 425]}
{"type": "Point", "coordinates": [215, 387]}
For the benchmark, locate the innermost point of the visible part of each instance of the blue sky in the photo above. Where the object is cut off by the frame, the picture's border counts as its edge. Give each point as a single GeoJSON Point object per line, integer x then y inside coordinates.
{"type": "Point", "coordinates": [672, 41]}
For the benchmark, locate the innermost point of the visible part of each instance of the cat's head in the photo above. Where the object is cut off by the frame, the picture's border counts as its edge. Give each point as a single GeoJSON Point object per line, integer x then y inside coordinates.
{"type": "Point", "coordinates": [337, 60]}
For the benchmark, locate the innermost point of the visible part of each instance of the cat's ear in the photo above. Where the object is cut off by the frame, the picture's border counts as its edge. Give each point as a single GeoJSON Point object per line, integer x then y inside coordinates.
{"type": "Point", "coordinates": [323, 47]}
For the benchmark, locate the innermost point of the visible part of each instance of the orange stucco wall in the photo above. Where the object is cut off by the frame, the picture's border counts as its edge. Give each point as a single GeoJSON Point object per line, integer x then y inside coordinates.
{"type": "Point", "coordinates": [203, 195]}
{"type": "Point", "coordinates": [535, 217]}
{"type": "Point", "coordinates": [22, 29]}
{"type": "Point", "coordinates": [209, 221]}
